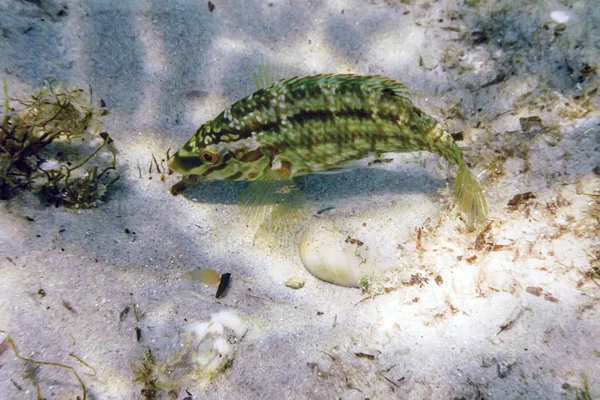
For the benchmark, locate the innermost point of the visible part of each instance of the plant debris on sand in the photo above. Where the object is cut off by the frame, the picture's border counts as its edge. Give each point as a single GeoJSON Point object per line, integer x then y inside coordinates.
{"type": "Point", "coordinates": [44, 146]}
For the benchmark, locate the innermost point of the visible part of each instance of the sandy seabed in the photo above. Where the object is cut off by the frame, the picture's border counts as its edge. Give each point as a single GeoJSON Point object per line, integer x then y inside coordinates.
{"type": "Point", "coordinates": [510, 314]}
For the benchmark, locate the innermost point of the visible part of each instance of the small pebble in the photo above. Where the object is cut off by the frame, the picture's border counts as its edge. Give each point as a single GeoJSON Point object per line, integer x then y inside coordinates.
{"type": "Point", "coordinates": [295, 283]}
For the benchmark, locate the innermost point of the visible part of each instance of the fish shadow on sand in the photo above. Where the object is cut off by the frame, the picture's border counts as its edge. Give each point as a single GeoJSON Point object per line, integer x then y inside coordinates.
{"type": "Point", "coordinates": [355, 184]}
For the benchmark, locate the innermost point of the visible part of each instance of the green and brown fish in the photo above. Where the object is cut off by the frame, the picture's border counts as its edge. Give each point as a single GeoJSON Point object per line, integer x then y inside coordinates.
{"type": "Point", "coordinates": [317, 124]}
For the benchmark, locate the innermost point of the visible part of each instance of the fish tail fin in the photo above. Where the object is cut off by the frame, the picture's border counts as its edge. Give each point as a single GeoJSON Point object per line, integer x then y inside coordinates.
{"type": "Point", "coordinates": [469, 196]}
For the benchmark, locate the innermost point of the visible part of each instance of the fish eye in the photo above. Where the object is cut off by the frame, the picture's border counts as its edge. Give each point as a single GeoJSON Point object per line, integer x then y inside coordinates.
{"type": "Point", "coordinates": [210, 156]}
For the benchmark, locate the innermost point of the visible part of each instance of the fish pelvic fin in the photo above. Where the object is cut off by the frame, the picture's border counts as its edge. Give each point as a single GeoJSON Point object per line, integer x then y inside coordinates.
{"type": "Point", "coordinates": [275, 204]}
{"type": "Point", "coordinates": [469, 195]}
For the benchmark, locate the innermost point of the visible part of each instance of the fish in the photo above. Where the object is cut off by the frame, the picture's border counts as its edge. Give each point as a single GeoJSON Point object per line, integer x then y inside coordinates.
{"type": "Point", "coordinates": [316, 124]}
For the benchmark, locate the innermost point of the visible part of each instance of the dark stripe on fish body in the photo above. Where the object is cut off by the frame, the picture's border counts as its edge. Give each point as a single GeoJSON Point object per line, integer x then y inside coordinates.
{"type": "Point", "coordinates": [302, 116]}
{"type": "Point", "coordinates": [326, 109]}
{"type": "Point", "coordinates": [215, 168]}
{"type": "Point", "coordinates": [252, 156]}
{"type": "Point", "coordinates": [235, 176]}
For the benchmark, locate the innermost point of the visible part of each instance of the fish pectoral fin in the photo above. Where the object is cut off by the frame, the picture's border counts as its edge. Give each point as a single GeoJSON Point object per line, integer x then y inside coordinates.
{"type": "Point", "coordinates": [273, 204]}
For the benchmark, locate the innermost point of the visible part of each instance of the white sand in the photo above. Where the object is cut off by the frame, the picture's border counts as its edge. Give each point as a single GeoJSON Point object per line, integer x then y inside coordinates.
{"type": "Point", "coordinates": [163, 68]}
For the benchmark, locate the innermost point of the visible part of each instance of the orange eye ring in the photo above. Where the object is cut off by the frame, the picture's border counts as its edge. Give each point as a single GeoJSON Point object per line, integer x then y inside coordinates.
{"type": "Point", "coordinates": [210, 156]}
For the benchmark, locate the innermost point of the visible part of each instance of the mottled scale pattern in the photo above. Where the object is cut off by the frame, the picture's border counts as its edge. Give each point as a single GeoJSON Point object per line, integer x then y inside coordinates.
{"type": "Point", "coordinates": [317, 124]}
{"type": "Point", "coordinates": [324, 121]}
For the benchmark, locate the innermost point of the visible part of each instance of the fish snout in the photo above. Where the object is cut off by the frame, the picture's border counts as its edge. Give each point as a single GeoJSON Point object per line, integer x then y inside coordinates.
{"type": "Point", "coordinates": [184, 163]}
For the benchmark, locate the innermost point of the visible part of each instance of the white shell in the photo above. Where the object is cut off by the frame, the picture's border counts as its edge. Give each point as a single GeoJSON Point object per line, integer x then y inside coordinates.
{"type": "Point", "coordinates": [560, 17]}
{"type": "Point", "coordinates": [327, 254]}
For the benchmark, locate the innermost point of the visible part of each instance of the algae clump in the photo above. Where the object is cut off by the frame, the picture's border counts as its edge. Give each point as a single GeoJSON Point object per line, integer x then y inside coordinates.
{"type": "Point", "coordinates": [51, 145]}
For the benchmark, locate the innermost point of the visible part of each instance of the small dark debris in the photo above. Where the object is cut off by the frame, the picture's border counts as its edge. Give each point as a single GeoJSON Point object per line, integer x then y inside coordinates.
{"type": "Point", "coordinates": [587, 70]}
{"type": "Point", "coordinates": [223, 285]}
{"type": "Point", "coordinates": [498, 79]}
{"type": "Point", "coordinates": [127, 231]}
{"type": "Point", "coordinates": [458, 136]}
{"type": "Point", "coordinates": [416, 279]}
{"type": "Point", "coordinates": [189, 395]}
{"type": "Point", "coordinates": [365, 355]}
{"type": "Point", "coordinates": [390, 381]}
{"type": "Point", "coordinates": [534, 290]}
{"type": "Point", "coordinates": [195, 94]}
{"type": "Point", "coordinates": [106, 136]}
{"type": "Point", "coordinates": [138, 334]}
{"type": "Point", "coordinates": [550, 298]}
{"type": "Point", "coordinates": [10, 260]}
{"type": "Point", "coordinates": [68, 306]}
{"type": "Point", "coordinates": [357, 242]}
{"type": "Point", "coordinates": [61, 230]}
{"type": "Point", "coordinates": [211, 6]}
{"type": "Point", "coordinates": [16, 385]}
{"type": "Point", "coordinates": [521, 198]}
{"type": "Point", "coordinates": [509, 324]}
{"type": "Point", "coordinates": [451, 28]}
{"type": "Point", "coordinates": [3, 346]}
{"type": "Point", "coordinates": [148, 393]}
{"type": "Point", "coordinates": [123, 314]}
{"type": "Point", "coordinates": [596, 170]}
{"type": "Point", "coordinates": [319, 313]}
{"type": "Point", "coordinates": [41, 293]}
{"type": "Point", "coordinates": [419, 244]}
{"type": "Point", "coordinates": [530, 123]}
{"type": "Point", "coordinates": [29, 219]}
{"type": "Point", "coordinates": [479, 37]}
{"type": "Point", "coordinates": [63, 12]}
{"type": "Point", "coordinates": [485, 241]}
{"type": "Point", "coordinates": [559, 29]}
{"type": "Point", "coordinates": [324, 210]}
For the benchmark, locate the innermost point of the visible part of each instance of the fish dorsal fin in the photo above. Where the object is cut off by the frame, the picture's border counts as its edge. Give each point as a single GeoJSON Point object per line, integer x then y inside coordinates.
{"type": "Point", "coordinates": [268, 74]}
{"type": "Point", "coordinates": [274, 203]}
